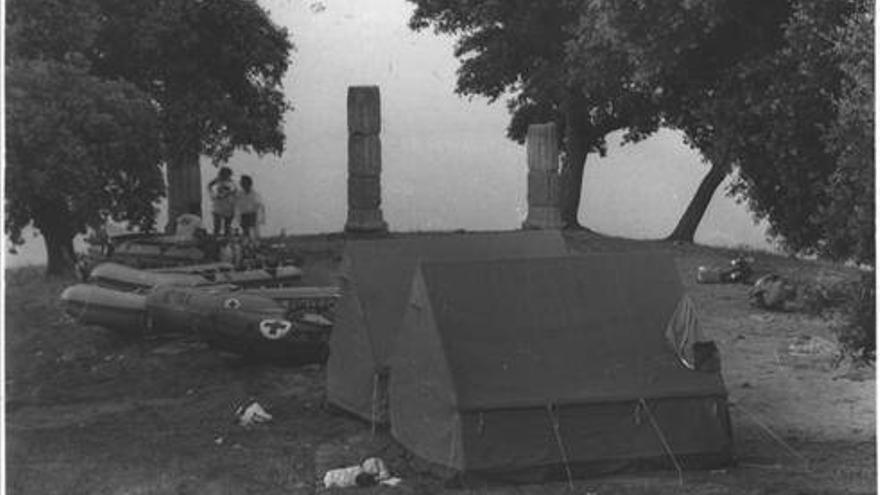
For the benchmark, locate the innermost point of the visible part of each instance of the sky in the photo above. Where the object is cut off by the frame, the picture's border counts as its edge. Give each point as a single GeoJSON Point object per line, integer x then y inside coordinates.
{"type": "Point", "coordinates": [446, 161]}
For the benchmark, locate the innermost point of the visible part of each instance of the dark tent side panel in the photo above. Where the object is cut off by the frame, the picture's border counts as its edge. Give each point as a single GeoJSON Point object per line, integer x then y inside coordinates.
{"type": "Point", "coordinates": [384, 270]}
{"type": "Point", "coordinates": [599, 438]}
{"type": "Point", "coordinates": [553, 361]}
{"type": "Point", "coordinates": [423, 413]}
{"type": "Point", "coordinates": [531, 331]}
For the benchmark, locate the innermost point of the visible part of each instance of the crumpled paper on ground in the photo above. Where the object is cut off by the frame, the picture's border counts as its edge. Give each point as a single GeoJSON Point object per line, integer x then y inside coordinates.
{"type": "Point", "coordinates": [251, 413]}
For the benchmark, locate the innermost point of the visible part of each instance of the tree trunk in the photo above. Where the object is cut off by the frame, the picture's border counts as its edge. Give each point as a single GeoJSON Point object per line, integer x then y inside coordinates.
{"type": "Point", "coordinates": [184, 184]}
{"type": "Point", "coordinates": [690, 220]}
{"type": "Point", "coordinates": [59, 249]}
{"type": "Point", "coordinates": [572, 173]}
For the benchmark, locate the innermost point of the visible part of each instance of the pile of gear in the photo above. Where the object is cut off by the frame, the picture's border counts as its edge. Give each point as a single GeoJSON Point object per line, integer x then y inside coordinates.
{"type": "Point", "coordinates": [770, 291]}
{"type": "Point", "coordinates": [773, 292]}
{"type": "Point", "coordinates": [231, 292]}
{"type": "Point", "coordinates": [738, 272]}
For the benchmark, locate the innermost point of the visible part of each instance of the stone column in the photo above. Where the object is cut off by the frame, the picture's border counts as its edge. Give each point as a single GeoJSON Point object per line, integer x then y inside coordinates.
{"type": "Point", "coordinates": [542, 148]}
{"type": "Point", "coordinates": [364, 161]}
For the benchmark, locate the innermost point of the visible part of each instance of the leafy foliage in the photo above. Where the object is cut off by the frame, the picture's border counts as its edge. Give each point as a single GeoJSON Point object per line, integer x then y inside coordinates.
{"type": "Point", "coordinates": [858, 333]}
{"type": "Point", "coordinates": [848, 218]}
{"type": "Point", "coordinates": [517, 48]}
{"type": "Point", "coordinates": [702, 65]}
{"type": "Point", "coordinates": [784, 163]}
{"type": "Point", "coordinates": [102, 91]}
{"type": "Point", "coordinates": [756, 85]}
{"type": "Point", "coordinates": [50, 28]}
{"type": "Point", "coordinates": [513, 47]}
{"type": "Point", "coordinates": [80, 150]}
{"type": "Point", "coordinates": [780, 90]}
{"type": "Point", "coordinates": [213, 68]}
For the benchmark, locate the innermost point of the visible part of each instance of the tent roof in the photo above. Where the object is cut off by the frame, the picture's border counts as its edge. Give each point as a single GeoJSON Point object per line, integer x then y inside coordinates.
{"type": "Point", "coordinates": [575, 329]}
{"type": "Point", "coordinates": [383, 269]}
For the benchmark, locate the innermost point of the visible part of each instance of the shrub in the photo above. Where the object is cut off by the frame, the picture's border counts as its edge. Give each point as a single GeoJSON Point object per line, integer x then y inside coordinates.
{"type": "Point", "coordinates": [857, 332]}
{"type": "Point", "coordinates": [827, 296]}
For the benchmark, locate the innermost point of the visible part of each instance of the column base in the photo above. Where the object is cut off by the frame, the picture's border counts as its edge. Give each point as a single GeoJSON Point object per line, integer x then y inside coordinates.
{"type": "Point", "coordinates": [366, 221]}
{"type": "Point", "coordinates": [543, 218]}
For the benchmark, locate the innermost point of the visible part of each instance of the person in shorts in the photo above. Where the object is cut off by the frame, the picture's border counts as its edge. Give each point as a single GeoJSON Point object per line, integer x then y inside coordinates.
{"type": "Point", "coordinates": [250, 208]}
{"type": "Point", "coordinates": [222, 190]}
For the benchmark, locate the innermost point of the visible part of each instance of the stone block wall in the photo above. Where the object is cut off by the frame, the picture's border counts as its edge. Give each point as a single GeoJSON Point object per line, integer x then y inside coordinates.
{"type": "Point", "coordinates": [542, 149]}
{"type": "Point", "coordinates": [364, 161]}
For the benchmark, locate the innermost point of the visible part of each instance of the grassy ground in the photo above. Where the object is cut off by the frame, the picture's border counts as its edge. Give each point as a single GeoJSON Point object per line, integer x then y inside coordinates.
{"type": "Point", "coordinates": [89, 411]}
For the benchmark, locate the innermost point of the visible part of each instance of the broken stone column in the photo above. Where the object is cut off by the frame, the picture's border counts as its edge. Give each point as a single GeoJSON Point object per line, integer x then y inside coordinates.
{"type": "Point", "coordinates": [364, 161]}
{"type": "Point", "coordinates": [542, 149]}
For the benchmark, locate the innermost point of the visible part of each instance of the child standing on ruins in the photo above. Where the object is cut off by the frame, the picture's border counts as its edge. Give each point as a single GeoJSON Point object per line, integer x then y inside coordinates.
{"type": "Point", "coordinates": [222, 190]}
{"type": "Point", "coordinates": [250, 208]}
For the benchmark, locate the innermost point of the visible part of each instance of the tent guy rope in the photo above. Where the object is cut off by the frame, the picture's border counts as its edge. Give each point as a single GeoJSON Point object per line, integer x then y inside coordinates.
{"type": "Point", "coordinates": [553, 413]}
{"type": "Point", "coordinates": [662, 438]}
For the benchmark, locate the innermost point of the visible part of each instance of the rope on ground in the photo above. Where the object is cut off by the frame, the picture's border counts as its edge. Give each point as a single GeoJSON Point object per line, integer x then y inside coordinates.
{"type": "Point", "coordinates": [774, 436]}
{"type": "Point", "coordinates": [374, 405]}
{"type": "Point", "coordinates": [663, 441]}
{"type": "Point", "coordinates": [453, 442]}
{"type": "Point", "coordinates": [552, 412]}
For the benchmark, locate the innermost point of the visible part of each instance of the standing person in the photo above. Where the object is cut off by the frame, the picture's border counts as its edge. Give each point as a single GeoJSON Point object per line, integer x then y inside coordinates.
{"type": "Point", "coordinates": [250, 208]}
{"type": "Point", "coordinates": [222, 190]}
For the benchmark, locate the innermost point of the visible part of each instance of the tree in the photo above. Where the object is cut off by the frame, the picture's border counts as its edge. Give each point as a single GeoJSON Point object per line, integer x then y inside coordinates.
{"type": "Point", "coordinates": [214, 71]}
{"type": "Point", "coordinates": [785, 164]}
{"type": "Point", "coordinates": [518, 48]}
{"type": "Point", "coordinates": [699, 63]}
{"type": "Point", "coordinates": [80, 149]}
{"type": "Point", "coordinates": [848, 219]}
{"type": "Point", "coordinates": [596, 66]}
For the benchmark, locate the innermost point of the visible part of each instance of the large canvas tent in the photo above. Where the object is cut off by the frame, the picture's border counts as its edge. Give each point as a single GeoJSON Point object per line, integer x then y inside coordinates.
{"type": "Point", "coordinates": [553, 365]}
{"type": "Point", "coordinates": [376, 277]}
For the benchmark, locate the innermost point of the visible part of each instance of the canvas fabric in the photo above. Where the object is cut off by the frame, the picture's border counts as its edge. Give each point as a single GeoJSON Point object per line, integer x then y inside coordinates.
{"type": "Point", "coordinates": [683, 331]}
{"type": "Point", "coordinates": [594, 433]}
{"type": "Point", "coordinates": [507, 364]}
{"type": "Point", "coordinates": [516, 331]}
{"type": "Point", "coordinates": [376, 280]}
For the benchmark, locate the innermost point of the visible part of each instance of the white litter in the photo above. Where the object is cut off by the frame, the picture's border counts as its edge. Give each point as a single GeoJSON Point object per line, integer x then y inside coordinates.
{"type": "Point", "coordinates": [251, 413]}
{"type": "Point", "coordinates": [376, 467]}
{"type": "Point", "coordinates": [394, 481]}
{"type": "Point", "coordinates": [342, 477]}
{"type": "Point", "coordinates": [811, 346]}
{"type": "Point", "coordinates": [316, 319]}
{"type": "Point", "coordinates": [347, 477]}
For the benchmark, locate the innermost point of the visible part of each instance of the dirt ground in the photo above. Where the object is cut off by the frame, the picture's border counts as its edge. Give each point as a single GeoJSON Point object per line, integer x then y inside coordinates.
{"type": "Point", "coordinates": [89, 411]}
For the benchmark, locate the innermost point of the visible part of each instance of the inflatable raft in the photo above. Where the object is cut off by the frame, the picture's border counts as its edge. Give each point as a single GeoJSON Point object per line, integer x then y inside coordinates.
{"type": "Point", "coordinates": [121, 277]}
{"type": "Point", "coordinates": [117, 310]}
{"type": "Point", "coordinates": [152, 250]}
{"type": "Point", "coordinates": [126, 278]}
{"type": "Point", "coordinates": [288, 325]}
{"type": "Point", "coordinates": [244, 322]}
